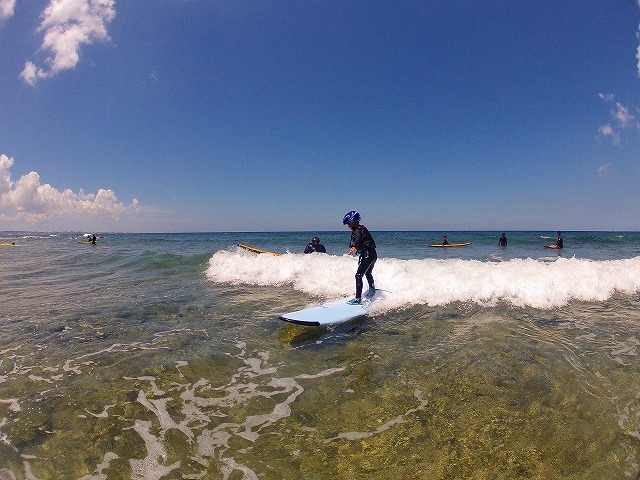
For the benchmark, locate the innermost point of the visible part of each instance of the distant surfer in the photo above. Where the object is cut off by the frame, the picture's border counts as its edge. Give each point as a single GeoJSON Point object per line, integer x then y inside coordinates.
{"type": "Point", "coordinates": [315, 246]}
{"type": "Point", "coordinates": [503, 240]}
{"type": "Point", "coordinates": [445, 241]}
{"type": "Point", "coordinates": [93, 239]}
{"type": "Point", "coordinates": [363, 243]}
{"type": "Point", "coordinates": [559, 243]}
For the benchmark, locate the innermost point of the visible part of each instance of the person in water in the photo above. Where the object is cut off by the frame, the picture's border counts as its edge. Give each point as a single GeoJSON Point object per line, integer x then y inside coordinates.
{"type": "Point", "coordinates": [315, 246]}
{"type": "Point", "coordinates": [503, 240]}
{"type": "Point", "coordinates": [559, 243]}
{"type": "Point", "coordinates": [93, 239]}
{"type": "Point", "coordinates": [361, 242]}
{"type": "Point", "coordinates": [445, 241]}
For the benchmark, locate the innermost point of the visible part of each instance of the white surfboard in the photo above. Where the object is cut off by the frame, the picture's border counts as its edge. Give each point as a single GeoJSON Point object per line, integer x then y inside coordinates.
{"type": "Point", "coordinates": [329, 313]}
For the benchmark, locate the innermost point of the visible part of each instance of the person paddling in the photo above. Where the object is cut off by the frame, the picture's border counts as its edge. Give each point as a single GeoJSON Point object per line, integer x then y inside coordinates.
{"type": "Point", "coordinates": [315, 246]}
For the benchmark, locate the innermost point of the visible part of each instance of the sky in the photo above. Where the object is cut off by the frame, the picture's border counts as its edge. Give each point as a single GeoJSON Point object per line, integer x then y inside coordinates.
{"type": "Point", "coordinates": [259, 115]}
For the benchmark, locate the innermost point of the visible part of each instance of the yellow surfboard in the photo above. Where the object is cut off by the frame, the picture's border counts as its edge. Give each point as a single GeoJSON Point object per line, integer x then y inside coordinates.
{"type": "Point", "coordinates": [257, 250]}
{"type": "Point", "coordinates": [450, 244]}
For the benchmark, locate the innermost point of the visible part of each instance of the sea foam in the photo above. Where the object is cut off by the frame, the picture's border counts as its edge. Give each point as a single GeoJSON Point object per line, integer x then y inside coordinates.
{"type": "Point", "coordinates": [527, 282]}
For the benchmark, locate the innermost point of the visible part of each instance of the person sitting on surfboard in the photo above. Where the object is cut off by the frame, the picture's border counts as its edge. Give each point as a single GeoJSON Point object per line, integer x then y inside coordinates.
{"type": "Point", "coordinates": [503, 240]}
{"type": "Point", "coordinates": [559, 243]}
{"type": "Point", "coordinates": [445, 241]}
{"type": "Point", "coordinates": [363, 243]}
{"type": "Point", "coordinates": [315, 246]}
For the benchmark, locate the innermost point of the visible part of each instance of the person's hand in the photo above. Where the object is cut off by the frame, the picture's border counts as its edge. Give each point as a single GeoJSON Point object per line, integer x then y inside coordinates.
{"type": "Point", "coordinates": [352, 250]}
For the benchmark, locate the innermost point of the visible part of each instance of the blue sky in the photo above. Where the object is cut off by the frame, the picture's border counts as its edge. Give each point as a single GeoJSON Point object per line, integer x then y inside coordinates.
{"type": "Point", "coordinates": [204, 115]}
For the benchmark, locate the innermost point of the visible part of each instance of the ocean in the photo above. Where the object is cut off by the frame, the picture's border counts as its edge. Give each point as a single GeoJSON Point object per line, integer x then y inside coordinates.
{"type": "Point", "coordinates": [161, 356]}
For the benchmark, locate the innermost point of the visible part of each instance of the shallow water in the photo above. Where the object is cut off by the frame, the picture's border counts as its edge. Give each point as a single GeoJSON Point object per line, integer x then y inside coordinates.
{"type": "Point", "coordinates": [135, 358]}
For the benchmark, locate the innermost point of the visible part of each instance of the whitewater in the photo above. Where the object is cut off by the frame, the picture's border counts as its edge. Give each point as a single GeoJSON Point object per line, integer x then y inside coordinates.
{"type": "Point", "coordinates": [522, 282]}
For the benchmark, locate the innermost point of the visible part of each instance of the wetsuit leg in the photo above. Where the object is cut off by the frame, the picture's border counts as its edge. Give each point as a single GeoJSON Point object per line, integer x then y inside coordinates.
{"type": "Point", "coordinates": [373, 256]}
{"type": "Point", "coordinates": [364, 269]}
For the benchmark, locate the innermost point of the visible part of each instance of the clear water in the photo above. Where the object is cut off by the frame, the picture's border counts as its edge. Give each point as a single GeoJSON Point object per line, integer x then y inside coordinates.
{"type": "Point", "coordinates": [162, 356]}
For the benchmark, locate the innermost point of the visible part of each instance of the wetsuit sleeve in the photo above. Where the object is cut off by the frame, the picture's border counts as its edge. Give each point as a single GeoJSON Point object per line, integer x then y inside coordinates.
{"type": "Point", "coordinates": [352, 239]}
{"type": "Point", "coordinates": [361, 239]}
{"type": "Point", "coordinates": [356, 239]}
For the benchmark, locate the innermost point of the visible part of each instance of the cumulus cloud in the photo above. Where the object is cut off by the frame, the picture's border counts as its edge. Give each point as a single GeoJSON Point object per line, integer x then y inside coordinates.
{"type": "Point", "coordinates": [6, 9]}
{"type": "Point", "coordinates": [33, 201]}
{"type": "Point", "coordinates": [67, 25]}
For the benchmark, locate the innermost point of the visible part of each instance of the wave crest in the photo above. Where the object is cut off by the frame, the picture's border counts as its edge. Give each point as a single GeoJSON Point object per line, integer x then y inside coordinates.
{"type": "Point", "coordinates": [523, 282]}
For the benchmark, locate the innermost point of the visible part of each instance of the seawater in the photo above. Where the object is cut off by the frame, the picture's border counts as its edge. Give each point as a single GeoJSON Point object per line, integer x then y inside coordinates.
{"type": "Point", "coordinates": [161, 356]}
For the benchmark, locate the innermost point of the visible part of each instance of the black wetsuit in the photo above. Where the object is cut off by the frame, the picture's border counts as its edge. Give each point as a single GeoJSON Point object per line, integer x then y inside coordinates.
{"type": "Point", "coordinates": [364, 244]}
{"type": "Point", "coordinates": [503, 241]}
{"type": "Point", "coordinates": [315, 247]}
{"type": "Point", "coordinates": [559, 242]}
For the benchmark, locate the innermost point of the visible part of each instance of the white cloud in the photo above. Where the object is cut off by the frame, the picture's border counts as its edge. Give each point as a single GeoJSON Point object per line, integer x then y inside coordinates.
{"type": "Point", "coordinates": [33, 201]}
{"type": "Point", "coordinates": [67, 25]}
{"type": "Point", "coordinates": [623, 116]}
{"type": "Point", "coordinates": [605, 169]}
{"type": "Point", "coordinates": [30, 73]}
{"type": "Point", "coordinates": [608, 131]}
{"type": "Point", "coordinates": [6, 9]}
{"type": "Point", "coordinates": [638, 49]}
{"type": "Point", "coordinates": [624, 120]}
{"type": "Point", "coordinates": [607, 97]}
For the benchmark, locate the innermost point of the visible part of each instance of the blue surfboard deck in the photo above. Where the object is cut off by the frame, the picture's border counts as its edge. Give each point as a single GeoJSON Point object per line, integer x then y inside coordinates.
{"type": "Point", "coordinates": [329, 313]}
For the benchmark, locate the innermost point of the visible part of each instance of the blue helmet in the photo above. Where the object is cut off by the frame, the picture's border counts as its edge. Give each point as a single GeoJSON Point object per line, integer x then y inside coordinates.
{"type": "Point", "coordinates": [352, 216]}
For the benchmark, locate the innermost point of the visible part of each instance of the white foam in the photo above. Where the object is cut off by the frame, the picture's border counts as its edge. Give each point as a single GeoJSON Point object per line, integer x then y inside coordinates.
{"type": "Point", "coordinates": [159, 408]}
{"type": "Point", "coordinates": [523, 282]}
{"type": "Point", "coordinates": [150, 467]}
{"type": "Point", "coordinates": [108, 458]}
{"type": "Point", "coordinates": [14, 404]}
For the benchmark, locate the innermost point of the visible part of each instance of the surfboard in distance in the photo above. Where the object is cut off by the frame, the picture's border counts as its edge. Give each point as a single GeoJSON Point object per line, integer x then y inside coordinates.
{"type": "Point", "coordinates": [551, 246]}
{"type": "Point", "coordinates": [450, 244]}
{"type": "Point", "coordinates": [257, 250]}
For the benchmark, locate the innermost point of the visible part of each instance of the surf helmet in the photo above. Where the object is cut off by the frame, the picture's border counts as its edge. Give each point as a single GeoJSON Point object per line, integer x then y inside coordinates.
{"type": "Point", "coordinates": [352, 216]}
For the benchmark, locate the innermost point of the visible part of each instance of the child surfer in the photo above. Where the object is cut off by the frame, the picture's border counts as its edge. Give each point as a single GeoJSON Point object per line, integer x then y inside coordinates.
{"type": "Point", "coordinates": [363, 243]}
